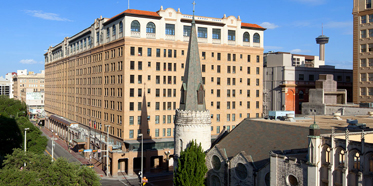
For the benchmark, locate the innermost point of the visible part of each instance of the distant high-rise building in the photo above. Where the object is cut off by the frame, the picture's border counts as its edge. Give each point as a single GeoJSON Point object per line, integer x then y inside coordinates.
{"type": "Point", "coordinates": [362, 51]}
{"type": "Point", "coordinates": [99, 76]}
{"type": "Point", "coordinates": [22, 80]}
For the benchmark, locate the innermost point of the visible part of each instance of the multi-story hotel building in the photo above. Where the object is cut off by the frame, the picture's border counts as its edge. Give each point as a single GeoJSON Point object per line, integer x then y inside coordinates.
{"type": "Point", "coordinates": [362, 51]}
{"type": "Point", "coordinates": [23, 80]}
{"type": "Point", "coordinates": [122, 68]}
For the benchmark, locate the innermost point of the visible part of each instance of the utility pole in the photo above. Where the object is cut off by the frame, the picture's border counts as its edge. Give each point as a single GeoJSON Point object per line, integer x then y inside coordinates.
{"type": "Point", "coordinates": [142, 156]}
{"type": "Point", "coordinates": [26, 129]}
{"type": "Point", "coordinates": [107, 152]}
{"type": "Point", "coordinates": [53, 138]}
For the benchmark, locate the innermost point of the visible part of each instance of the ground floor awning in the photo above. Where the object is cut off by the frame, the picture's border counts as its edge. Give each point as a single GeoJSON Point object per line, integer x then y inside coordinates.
{"type": "Point", "coordinates": [79, 141]}
{"type": "Point", "coordinates": [61, 120]}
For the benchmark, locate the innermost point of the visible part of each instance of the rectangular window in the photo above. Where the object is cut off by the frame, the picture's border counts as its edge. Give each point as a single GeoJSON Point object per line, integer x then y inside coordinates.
{"type": "Point", "coordinates": [370, 18]}
{"type": "Point", "coordinates": [203, 68]}
{"type": "Point", "coordinates": [149, 52]}
{"type": "Point", "coordinates": [311, 77]}
{"type": "Point", "coordinates": [363, 19]}
{"type": "Point", "coordinates": [168, 131]}
{"type": "Point", "coordinates": [132, 51]}
{"type": "Point", "coordinates": [131, 134]}
{"type": "Point", "coordinates": [234, 57]}
{"type": "Point", "coordinates": [257, 93]}
{"type": "Point", "coordinates": [202, 32]}
{"type": "Point", "coordinates": [228, 117]}
{"type": "Point", "coordinates": [158, 52]}
{"type": "Point", "coordinates": [218, 117]}
{"type": "Point", "coordinates": [169, 53]}
{"type": "Point", "coordinates": [216, 33]}
{"type": "Point", "coordinates": [231, 35]}
{"type": "Point", "coordinates": [363, 48]}
{"type": "Point", "coordinates": [248, 70]}
{"type": "Point", "coordinates": [257, 70]}
{"type": "Point", "coordinates": [219, 56]}
{"type": "Point", "coordinates": [248, 58]}
{"type": "Point", "coordinates": [131, 120]}
{"type": "Point", "coordinates": [368, 4]}
{"type": "Point", "coordinates": [257, 82]}
{"type": "Point", "coordinates": [132, 78]}
{"type": "Point", "coordinates": [248, 93]}
{"type": "Point", "coordinates": [157, 119]}
{"type": "Point", "coordinates": [139, 51]}
{"type": "Point", "coordinates": [248, 104]}
{"type": "Point", "coordinates": [217, 129]}
{"type": "Point", "coordinates": [257, 59]}
{"type": "Point", "coordinates": [257, 104]}
{"type": "Point", "coordinates": [363, 91]}
{"type": "Point", "coordinates": [187, 30]}
{"type": "Point", "coordinates": [370, 91]}
{"type": "Point", "coordinates": [370, 47]}
{"type": "Point", "coordinates": [170, 29]}
{"type": "Point", "coordinates": [156, 132]}
{"type": "Point", "coordinates": [363, 62]}
{"type": "Point", "coordinates": [363, 77]}
{"type": "Point", "coordinates": [363, 33]}
{"type": "Point", "coordinates": [203, 55]}
{"type": "Point", "coordinates": [158, 66]}
{"type": "Point", "coordinates": [139, 65]}
{"type": "Point", "coordinates": [301, 77]}
{"type": "Point", "coordinates": [229, 57]}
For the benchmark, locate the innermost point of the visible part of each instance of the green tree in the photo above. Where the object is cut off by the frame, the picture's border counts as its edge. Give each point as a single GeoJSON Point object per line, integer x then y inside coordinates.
{"type": "Point", "coordinates": [13, 121]}
{"type": "Point", "coordinates": [40, 171]}
{"type": "Point", "coordinates": [191, 168]}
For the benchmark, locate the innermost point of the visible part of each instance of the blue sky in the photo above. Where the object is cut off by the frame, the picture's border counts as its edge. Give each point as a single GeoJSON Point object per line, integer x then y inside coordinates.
{"type": "Point", "coordinates": [29, 27]}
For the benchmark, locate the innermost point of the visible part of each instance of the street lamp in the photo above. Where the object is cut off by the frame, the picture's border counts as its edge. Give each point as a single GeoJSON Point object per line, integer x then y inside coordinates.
{"type": "Point", "coordinates": [26, 129]}
{"type": "Point", "coordinates": [107, 152]}
{"type": "Point", "coordinates": [142, 155]}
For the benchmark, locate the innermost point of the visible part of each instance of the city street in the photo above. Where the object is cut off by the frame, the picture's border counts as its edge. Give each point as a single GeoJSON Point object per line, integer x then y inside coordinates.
{"type": "Point", "coordinates": [58, 151]}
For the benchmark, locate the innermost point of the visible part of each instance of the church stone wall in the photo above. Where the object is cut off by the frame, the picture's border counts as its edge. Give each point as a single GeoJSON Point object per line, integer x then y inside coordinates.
{"type": "Point", "coordinates": [284, 168]}
{"type": "Point", "coordinates": [192, 125]}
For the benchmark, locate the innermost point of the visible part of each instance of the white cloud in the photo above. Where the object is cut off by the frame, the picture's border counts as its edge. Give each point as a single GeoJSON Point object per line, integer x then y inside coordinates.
{"type": "Point", "coordinates": [299, 51]}
{"type": "Point", "coordinates": [45, 15]}
{"type": "Point", "coordinates": [338, 24]}
{"type": "Point", "coordinates": [268, 25]}
{"type": "Point", "coordinates": [28, 61]}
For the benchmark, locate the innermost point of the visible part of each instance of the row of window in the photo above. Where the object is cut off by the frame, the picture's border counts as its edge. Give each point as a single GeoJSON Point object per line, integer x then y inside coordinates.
{"type": "Point", "coordinates": [364, 18]}
{"type": "Point", "coordinates": [201, 31]}
{"type": "Point", "coordinates": [366, 91]}
{"type": "Point", "coordinates": [365, 76]}
{"type": "Point", "coordinates": [173, 53]}
{"type": "Point", "coordinates": [311, 77]}
{"type": "Point", "coordinates": [363, 47]}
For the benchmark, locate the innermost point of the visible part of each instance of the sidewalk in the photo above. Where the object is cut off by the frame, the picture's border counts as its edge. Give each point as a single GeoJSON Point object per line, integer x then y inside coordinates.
{"type": "Point", "coordinates": [80, 158]}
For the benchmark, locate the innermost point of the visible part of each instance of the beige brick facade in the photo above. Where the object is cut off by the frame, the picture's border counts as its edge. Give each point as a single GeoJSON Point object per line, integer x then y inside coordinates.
{"type": "Point", "coordinates": [105, 82]}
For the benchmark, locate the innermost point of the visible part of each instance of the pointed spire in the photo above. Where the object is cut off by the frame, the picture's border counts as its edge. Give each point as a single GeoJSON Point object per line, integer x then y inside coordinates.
{"type": "Point", "coordinates": [194, 6]}
{"type": "Point", "coordinates": [192, 90]}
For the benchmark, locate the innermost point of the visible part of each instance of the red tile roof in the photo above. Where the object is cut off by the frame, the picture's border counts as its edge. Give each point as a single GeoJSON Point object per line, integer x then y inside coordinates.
{"type": "Point", "coordinates": [142, 12]}
{"type": "Point", "coordinates": [138, 12]}
{"type": "Point", "coordinates": [249, 25]}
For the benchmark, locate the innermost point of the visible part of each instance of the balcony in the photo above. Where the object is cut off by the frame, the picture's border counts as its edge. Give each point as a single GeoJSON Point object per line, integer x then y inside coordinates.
{"type": "Point", "coordinates": [245, 43]}
{"type": "Point", "coordinates": [186, 39]}
{"type": "Point", "coordinates": [170, 37]}
{"type": "Point", "coordinates": [135, 34]}
{"type": "Point", "coordinates": [231, 42]}
{"type": "Point", "coordinates": [202, 40]}
{"type": "Point", "coordinates": [150, 35]}
{"type": "Point", "coordinates": [216, 41]}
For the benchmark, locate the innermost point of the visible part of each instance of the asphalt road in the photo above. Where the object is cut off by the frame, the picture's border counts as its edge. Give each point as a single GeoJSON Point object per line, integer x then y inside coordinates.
{"type": "Point", "coordinates": [153, 181]}
{"type": "Point", "coordinates": [58, 151]}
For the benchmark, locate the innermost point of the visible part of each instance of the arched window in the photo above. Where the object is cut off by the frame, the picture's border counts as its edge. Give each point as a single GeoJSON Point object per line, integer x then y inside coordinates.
{"type": "Point", "coordinates": [246, 37]}
{"type": "Point", "coordinates": [114, 30]}
{"type": "Point", "coordinates": [135, 26]}
{"type": "Point", "coordinates": [120, 27]}
{"type": "Point", "coordinates": [357, 161]}
{"type": "Point", "coordinates": [108, 32]}
{"type": "Point", "coordinates": [301, 95]}
{"type": "Point", "coordinates": [200, 94]}
{"type": "Point", "coordinates": [150, 27]}
{"type": "Point", "coordinates": [327, 155]}
{"type": "Point", "coordinates": [256, 38]}
{"type": "Point", "coordinates": [342, 157]}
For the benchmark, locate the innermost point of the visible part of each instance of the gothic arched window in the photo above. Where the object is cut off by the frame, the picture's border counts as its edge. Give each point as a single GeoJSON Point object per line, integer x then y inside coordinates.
{"type": "Point", "coordinates": [200, 94]}
{"type": "Point", "coordinates": [135, 26]}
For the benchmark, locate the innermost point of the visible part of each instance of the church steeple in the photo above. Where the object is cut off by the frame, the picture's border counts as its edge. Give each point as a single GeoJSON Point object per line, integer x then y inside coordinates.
{"type": "Point", "coordinates": [192, 90]}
